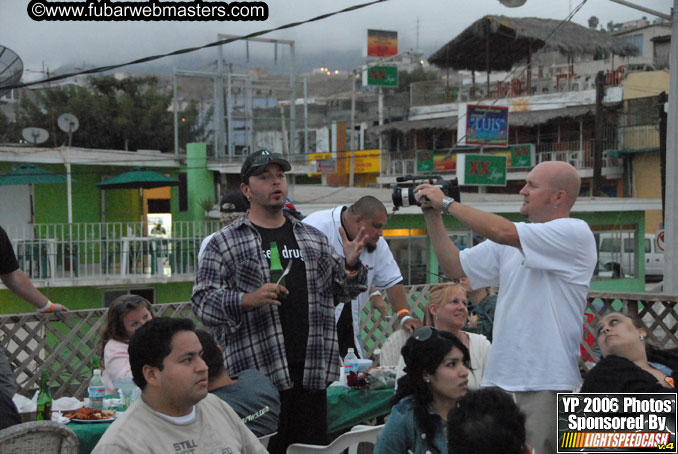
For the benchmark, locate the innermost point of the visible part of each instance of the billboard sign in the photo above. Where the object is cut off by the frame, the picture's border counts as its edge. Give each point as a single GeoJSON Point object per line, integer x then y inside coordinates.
{"type": "Point", "coordinates": [483, 125]}
{"type": "Point", "coordinates": [424, 161]}
{"type": "Point", "coordinates": [384, 76]}
{"type": "Point", "coordinates": [382, 43]}
{"type": "Point", "coordinates": [326, 166]}
{"type": "Point", "coordinates": [523, 155]}
{"type": "Point", "coordinates": [481, 169]}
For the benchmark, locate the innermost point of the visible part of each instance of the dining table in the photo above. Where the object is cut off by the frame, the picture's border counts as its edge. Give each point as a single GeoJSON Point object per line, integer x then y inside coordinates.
{"type": "Point", "coordinates": [346, 407]}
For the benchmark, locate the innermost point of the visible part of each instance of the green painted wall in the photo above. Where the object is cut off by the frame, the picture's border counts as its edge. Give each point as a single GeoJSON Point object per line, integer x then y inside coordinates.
{"type": "Point", "coordinates": [121, 205]}
{"type": "Point", "coordinates": [199, 180]}
{"type": "Point", "coordinates": [92, 297]}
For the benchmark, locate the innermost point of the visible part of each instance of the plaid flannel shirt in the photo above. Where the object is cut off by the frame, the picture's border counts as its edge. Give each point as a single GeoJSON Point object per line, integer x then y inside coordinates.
{"type": "Point", "coordinates": [233, 264]}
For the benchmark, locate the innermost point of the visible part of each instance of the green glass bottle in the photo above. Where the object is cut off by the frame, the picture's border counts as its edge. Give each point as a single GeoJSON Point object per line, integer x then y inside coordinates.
{"type": "Point", "coordinates": [44, 399]}
{"type": "Point", "coordinates": [276, 265]}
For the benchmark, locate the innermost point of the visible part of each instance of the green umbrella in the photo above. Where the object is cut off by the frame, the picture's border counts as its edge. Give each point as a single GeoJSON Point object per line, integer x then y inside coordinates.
{"type": "Point", "coordinates": [138, 178]}
{"type": "Point", "coordinates": [30, 174]}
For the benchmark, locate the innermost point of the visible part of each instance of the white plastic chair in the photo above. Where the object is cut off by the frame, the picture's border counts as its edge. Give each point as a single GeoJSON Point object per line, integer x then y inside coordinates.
{"type": "Point", "coordinates": [390, 351]}
{"type": "Point", "coordinates": [266, 438]}
{"type": "Point", "coordinates": [350, 440]}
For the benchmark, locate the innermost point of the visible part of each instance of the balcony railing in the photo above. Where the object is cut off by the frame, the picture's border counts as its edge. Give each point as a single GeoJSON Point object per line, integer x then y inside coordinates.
{"type": "Point", "coordinates": [396, 163]}
{"type": "Point", "coordinates": [107, 249]}
{"type": "Point", "coordinates": [556, 79]}
{"type": "Point", "coordinates": [638, 137]}
{"type": "Point", "coordinates": [64, 343]}
{"type": "Point", "coordinates": [578, 154]}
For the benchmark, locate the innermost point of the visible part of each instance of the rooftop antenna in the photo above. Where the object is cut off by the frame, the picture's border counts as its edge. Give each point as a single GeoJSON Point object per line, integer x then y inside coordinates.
{"type": "Point", "coordinates": [68, 123]}
{"type": "Point", "coordinates": [34, 135]}
{"type": "Point", "coordinates": [11, 69]}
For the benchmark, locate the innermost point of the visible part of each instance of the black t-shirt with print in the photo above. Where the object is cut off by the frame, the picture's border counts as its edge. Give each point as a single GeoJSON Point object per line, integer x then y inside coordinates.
{"type": "Point", "coordinates": [294, 308]}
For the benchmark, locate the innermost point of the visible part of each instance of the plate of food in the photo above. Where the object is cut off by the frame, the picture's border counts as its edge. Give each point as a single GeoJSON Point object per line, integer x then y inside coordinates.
{"type": "Point", "coordinates": [87, 415]}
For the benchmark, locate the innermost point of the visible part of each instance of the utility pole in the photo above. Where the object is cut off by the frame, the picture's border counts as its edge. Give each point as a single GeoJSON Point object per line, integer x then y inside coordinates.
{"type": "Point", "coordinates": [598, 136]}
{"type": "Point", "coordinates": [662, 99]}
{"type": "Point", "coordinates": [671, 209]}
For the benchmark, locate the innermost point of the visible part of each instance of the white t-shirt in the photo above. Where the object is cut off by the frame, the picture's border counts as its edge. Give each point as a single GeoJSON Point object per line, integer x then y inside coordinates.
{"type": "Point", "coordinates": [540, 309]}
{"type": "Point", "coordinates": [382, 270]}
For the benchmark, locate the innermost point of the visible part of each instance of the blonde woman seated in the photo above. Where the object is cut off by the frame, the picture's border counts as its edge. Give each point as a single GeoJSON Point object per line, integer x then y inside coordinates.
{"type": "Point", "coordinates": [125, 315]}
{"type": "Point", "coordinates": [629, 364]}
{"type": "Point", "coordinates": [447, 311]}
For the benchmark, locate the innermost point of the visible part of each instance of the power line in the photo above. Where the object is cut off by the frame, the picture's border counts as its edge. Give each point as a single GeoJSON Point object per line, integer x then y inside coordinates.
{"type": "Point", "coordinates": [193, 49]}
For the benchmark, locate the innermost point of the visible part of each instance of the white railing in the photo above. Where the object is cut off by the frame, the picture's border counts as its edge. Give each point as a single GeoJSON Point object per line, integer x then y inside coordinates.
{"type": "Point", "coordinates": [107, 249]}
{"type": "Point", "coordinates": [576, 154]}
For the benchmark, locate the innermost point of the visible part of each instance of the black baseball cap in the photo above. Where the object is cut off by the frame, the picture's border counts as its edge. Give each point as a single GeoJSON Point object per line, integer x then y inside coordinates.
{"type": "Point", "coordinates": [256, 162]}
{"type": "Point", "coordinates": [233, 202]}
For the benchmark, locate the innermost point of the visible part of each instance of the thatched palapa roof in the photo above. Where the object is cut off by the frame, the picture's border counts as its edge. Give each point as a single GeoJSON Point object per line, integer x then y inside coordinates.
{"type": "Point", "coordinates": [501, 42]}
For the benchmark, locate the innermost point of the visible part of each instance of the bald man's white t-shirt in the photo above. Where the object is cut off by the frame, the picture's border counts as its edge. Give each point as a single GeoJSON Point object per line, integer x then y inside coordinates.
{"type": "Point", "coordinates": [540, 309]}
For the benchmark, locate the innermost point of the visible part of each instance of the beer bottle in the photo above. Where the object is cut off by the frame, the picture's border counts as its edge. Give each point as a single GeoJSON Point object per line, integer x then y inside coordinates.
{"type": "Point", "coordinates": [276, 265]}
{"type": "Point", "coordinates": [44, 399]}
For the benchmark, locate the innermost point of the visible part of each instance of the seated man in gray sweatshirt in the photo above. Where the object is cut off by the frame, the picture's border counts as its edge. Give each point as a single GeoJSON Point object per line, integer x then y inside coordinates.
{"type": "Point", "coordinates": [250, 394]}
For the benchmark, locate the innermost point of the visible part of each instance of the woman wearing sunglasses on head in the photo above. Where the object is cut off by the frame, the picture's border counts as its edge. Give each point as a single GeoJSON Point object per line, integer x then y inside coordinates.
{"type": "Point", "coordinates": [447, 310]}
{"type": "Point", "coordinates": [436, 375]}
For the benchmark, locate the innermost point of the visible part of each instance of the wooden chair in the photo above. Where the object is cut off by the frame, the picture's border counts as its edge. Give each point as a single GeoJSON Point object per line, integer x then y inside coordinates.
{"type": "Point", "coordinates": [38, 437]}
{"type": "Point", "coordinates": [350, 440]}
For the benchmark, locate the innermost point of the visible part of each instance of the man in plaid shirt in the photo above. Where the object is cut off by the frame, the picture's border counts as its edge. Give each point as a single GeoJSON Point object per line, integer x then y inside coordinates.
{"type": "Point", "coordinates": [287, 333]}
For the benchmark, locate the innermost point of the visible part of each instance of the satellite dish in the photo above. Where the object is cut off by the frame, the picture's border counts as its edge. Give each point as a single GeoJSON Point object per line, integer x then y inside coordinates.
{"type": "Point", "coordinates": [512, 3]}
{"type": "Point", "coordinates": [11, 68]}
{"type": "Point", "coordinates": [35, 135]}
{"type": "Point", "coordinates": [68, 122]}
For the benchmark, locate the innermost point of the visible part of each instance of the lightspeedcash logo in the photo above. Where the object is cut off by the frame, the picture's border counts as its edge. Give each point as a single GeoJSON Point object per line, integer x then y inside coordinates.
{"type": "Point", "coordinates": [150, 10]}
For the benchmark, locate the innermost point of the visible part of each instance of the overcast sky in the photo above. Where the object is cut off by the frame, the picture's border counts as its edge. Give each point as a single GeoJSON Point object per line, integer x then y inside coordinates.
{"type": "Point", "coordinates": [431, 22]}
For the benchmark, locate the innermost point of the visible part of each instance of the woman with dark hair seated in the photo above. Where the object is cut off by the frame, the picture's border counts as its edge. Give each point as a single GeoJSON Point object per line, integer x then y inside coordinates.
{"type": "Point", "coordinates": [436, 367]}
{"type": "Point", "coordinates": [629, 364]}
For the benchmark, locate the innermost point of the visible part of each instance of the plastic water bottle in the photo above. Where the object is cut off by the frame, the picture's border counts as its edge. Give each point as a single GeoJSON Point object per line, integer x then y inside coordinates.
{"type": "Point", "coordinates": [97, 391]}
{"type": "Point", "coordinates": [350, 362]}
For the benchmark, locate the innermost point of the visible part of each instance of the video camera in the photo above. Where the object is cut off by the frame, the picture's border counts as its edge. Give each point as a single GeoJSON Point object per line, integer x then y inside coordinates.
{"type": "Point", "coordinates": [403, 190]}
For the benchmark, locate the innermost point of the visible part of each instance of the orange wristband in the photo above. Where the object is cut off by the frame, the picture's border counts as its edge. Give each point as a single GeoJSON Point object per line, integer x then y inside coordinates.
{"type": "Point", "coordinates": [403, 311]}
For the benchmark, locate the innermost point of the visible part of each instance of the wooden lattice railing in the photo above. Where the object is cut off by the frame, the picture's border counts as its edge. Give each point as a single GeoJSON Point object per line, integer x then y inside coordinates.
{"type": "Point", "coordinates": [65, 343]}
